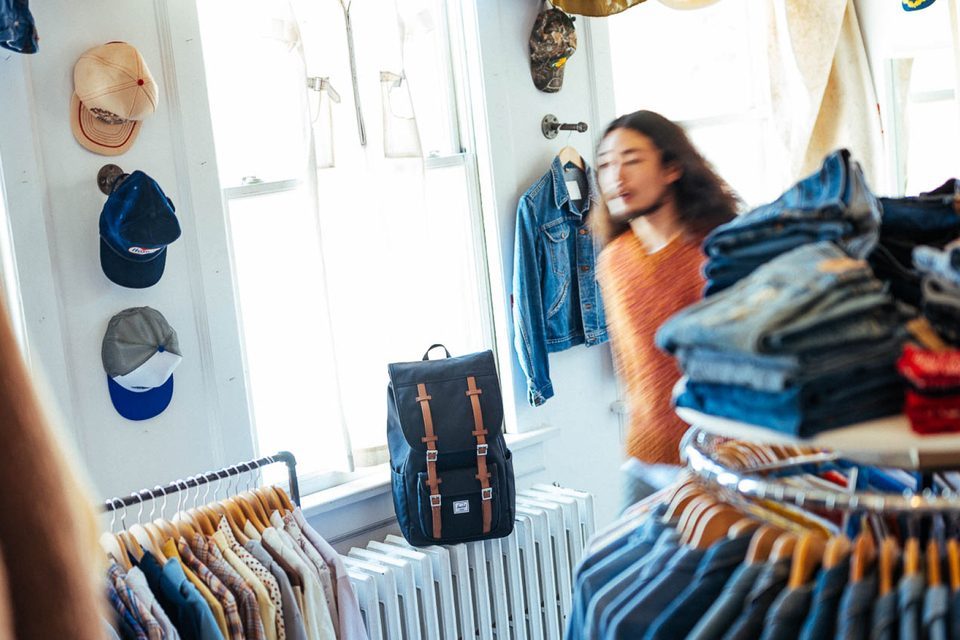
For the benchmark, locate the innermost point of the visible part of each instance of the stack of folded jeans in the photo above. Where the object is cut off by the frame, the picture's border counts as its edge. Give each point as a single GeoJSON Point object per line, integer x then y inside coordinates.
{"type": "Point", "coordinates": [933, 394]}
{"type": "Point", "coordinates": [941, 288]}
{"type": "Point", "coordinates": [930, 219]}
{"type": "Point", "coordinates": [807, 342]}
{"type": "Point", "coordinates": [832, 204]}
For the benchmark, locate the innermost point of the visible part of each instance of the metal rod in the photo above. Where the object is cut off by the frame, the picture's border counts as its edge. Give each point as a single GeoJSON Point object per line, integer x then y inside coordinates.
{"type": "Point", "coordinates": [196, 481]}
{"type": "Point", "coordinates": [695, 451]}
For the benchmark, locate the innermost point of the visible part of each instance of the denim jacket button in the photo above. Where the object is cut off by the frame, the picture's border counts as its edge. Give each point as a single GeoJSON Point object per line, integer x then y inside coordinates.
{"type": "Point", "coordinates": [583, 232]}
{"type": "Point", "coordinates": [584, 268]}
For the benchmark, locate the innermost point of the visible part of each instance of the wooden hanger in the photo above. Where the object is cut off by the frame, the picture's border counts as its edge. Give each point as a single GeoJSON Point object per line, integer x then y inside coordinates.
{"type": "Point", "coordinates": [911, 557]}
{"type": "Point", "coordinates": [742, 528]}
{"type": "Point", "coordinates": [838, 548]}
{"type": "Point", "coordinates": [221, 509]}
{"type": "Point", "coordinates": [687, 523]}
{"type": "Point", "coordinates": [783, 547]}
{"type": "Point", "coordinates": [184, 526]}
{"type": "Point", "coordinates": [248, 508]}
{"type": "Point", "coordinates": [807, 555]}
{"type": "Point", "coordinates": [934, 573]}
{"type": "Point", "coordinates": [953, 562]}
{"type": "Point", "coordinates": [761, 543]}
{"type": "Point", "coordinates": [112, 546]}
{"type": "Point", "coordinates": [889, 555]}
{"type": "Point", "coordinates": [569, 154]}
{"type": "Point", "coordinates": [864, 553]}
{"type": "Point", "coordinates": [714, 525]}
{"type": "Point", "coordinates": [284, 499]}
{"type": "Point", "coordinates": [680, 500]}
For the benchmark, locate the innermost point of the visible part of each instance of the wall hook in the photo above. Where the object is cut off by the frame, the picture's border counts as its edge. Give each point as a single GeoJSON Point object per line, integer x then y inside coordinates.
{"type": "Point", "coordinates": [550, 126]}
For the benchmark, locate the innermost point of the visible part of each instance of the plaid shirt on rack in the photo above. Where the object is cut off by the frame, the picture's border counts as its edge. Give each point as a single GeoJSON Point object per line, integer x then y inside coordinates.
{"type": "Point", "coordinates": [135, 607]}
{"type": "Point", "coordinates": [220, 591]}
{"type": "Point", "coordinates": [209, 555]}
{"type": "Point", "coordinates": [124, 612]}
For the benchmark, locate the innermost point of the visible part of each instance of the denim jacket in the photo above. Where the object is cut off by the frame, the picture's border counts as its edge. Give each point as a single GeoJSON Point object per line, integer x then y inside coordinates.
{"type": "Point", "coordinates": [556, 300]}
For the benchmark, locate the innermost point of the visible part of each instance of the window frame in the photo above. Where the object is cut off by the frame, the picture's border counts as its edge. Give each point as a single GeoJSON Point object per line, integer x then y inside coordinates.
{"type": "Point", "coordinates": [462, 132]}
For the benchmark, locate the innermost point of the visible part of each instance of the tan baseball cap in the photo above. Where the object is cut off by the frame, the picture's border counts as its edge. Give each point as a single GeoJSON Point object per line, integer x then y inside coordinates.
{"type": "Point", "coordinates": [113, 93]}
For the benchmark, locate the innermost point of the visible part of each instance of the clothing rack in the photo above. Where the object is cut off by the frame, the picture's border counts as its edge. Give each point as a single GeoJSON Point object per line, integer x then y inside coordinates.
{"type": "Point", "coordinates": [698, 445]}
{"type": "Point", "coordinates": [196, 481]}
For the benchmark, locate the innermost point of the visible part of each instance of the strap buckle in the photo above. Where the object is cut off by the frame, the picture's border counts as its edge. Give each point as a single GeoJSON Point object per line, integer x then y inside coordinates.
{"type": "Point", "coordinates": [486, 494]}
{"type": "Point", "coordinates": [432, 455]}
{"type": "Point", "coordinates": [435, 501]}
{"type": "Point", "coordinates": [482, 449]}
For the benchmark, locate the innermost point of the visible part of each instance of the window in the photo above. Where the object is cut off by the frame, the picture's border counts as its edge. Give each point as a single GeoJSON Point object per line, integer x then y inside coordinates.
{"type": "Point", "coordinates": [8, 272]}
{"type": "Point", "coordinates": [926, 121]}
{"type": "Point", "coordinates": [723, 94]}
{"type": "Point", "coordinates": [347, 256]}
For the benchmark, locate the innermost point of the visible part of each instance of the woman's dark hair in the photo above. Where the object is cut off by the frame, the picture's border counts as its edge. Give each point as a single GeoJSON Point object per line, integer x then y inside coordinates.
{"type": "Point", "coordinates": [704, 201]}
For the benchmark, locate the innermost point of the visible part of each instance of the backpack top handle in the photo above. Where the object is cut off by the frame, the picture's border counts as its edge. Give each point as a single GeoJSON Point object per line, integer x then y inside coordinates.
{"type": "Point", "coordinates": [426, 355]}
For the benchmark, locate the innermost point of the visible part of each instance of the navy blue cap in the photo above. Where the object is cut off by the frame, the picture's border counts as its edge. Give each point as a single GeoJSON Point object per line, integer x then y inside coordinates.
{"type": "Point", "coordinates": [17, 31]}
{"type": "Point", "coordinates": [916, 5]}
{"type": "Point", "coordinates": [136, 225]}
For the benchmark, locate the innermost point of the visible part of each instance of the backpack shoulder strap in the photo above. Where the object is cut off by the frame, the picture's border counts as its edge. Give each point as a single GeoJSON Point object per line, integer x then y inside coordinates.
{"type": "Point", "coordinates": [430, 439]}
{"type": "Point", "coordinates": [486, 493]}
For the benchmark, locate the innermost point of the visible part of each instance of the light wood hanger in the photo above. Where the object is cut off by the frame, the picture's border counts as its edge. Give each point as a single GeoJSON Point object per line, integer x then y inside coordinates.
{"type": "Point", "coordinates": [838, 548]}
{"type": "Point", "coordinates": [184, 526]}
{"type": "Point", "coordinates": [687, 523]}
{"type": "Point", "coordinates": [742, 528]}
{"type": "Point", "coordinates": [761, 543]}
{"type": "Point", "coordinates": [911, 557]}
{"type": "Point", "coordinates": [285, 499]}
{"type": "Point", "coordinates": [111, 545]}
{"type": "Point", "coordinates": [807, 556]}
{"type": "Point", "coordinates": [783, 547]}
{"type": "Point", "coordinates": [889, 555]}
{"type": "Point", "coordinates": [223, 512]}
{"type": "Point", "coordinates": [953, 562]}
{"type": "Point", "coordinates": [569, 154]}
{"type": "Point", "coordinates": [934, 573]}
{"type": "Point", "coordinates": [131, 544]}
{"type": "Point", "coordinates": [680, 501]}
{"type": "Point", "coordinates": [714, 525]}
{"type": "Point", "coordinates": [864, 553]}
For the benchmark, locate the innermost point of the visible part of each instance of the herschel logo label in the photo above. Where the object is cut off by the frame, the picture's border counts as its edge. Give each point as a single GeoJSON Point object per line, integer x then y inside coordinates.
{"type": "Point", "coordinates": [461, 506]}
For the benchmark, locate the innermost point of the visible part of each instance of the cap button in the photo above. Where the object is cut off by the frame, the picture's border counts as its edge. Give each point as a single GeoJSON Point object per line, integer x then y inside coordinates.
{"type": "Point", "coordinates": [140, 82]}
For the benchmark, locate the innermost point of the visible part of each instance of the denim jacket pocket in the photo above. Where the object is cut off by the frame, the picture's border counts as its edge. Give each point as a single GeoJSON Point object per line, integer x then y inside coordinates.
{"type": "Point", "coordinates": [558, 253]}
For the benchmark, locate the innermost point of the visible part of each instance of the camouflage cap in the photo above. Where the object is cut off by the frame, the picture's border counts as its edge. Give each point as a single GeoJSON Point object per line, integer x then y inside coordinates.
{"type": "Point", "coordinates": [552, 41]}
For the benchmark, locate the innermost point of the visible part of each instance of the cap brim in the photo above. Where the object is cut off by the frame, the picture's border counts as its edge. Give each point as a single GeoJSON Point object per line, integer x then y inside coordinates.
{"type": "Point", "coordinates": [98, 136]}
{"type": "Point", "coordinates": [547, 77]}
{"type": "Point", "coordinates": [131, 273]}
{"type": "Point", "coordinates": [140, 405]}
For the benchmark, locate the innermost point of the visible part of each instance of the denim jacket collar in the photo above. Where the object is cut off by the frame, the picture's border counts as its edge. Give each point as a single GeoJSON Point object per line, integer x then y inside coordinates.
{"type": "Point", "coordinates": [562, 196]}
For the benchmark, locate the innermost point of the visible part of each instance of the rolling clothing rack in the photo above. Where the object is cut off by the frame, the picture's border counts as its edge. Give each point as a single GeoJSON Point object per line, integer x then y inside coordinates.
{"type": "Point", "coordinates": [196, 481]}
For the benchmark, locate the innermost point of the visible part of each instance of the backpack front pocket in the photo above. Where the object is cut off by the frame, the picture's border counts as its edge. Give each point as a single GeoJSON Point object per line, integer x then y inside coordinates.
{"type": "Point", "coordinates": [461, 503]}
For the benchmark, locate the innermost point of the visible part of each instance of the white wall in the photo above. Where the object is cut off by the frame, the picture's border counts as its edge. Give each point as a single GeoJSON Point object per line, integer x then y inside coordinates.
{"type": "Point", "coordinates": [207, 423]}
{"type": "Point", "coordinates": [586, 453]}
{"type": "Point", "coordinates": [67, 301]}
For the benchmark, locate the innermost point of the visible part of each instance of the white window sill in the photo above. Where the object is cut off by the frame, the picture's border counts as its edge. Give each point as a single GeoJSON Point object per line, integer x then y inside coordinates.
{"type": "Point", "coordinates": [366, 503]}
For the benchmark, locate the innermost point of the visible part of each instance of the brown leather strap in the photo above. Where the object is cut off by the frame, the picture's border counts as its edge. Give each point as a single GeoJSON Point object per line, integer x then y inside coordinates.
{"type": "Point", "coordinates": [486, 492]}
{"type": "Point", "coordinates": [433, 481]}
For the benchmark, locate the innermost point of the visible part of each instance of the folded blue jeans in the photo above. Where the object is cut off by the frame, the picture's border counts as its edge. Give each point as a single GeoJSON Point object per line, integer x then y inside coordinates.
{"type": "Point", "coordinates": [944, 264]}
{"type": "Point", "coordinates": [800, 411]}
{"type": "Point", "coordinates": [777, 295]}
{"type": "Point", "coordinates": [778, 372]}
{"type": "Point", "coordinates": [837, 191]}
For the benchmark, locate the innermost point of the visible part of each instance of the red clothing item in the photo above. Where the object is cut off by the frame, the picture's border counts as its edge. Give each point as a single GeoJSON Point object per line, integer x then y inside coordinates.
{"type": "Point", "coordinates": [933, 414]}
{"type": "Point", "coordinates": [640, 291]}
{"type": "Point", "coordinates": [930, 369]}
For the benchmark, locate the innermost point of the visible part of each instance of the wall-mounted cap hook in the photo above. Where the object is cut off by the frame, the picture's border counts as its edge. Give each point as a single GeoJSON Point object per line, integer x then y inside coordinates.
{"type": "Point", "coordinates": [109, 177]}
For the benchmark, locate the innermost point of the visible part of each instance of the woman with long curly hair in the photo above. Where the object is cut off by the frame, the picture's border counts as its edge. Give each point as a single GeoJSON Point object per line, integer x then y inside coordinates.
{"type": "Point", "coordinates": [659, 198]}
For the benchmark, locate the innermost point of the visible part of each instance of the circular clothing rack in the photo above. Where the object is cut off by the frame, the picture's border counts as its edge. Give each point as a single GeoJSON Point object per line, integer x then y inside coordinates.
{"type": "Point", "coordinates": [887, 442]}
{"type": "Point", "coordinates": [698, 452]}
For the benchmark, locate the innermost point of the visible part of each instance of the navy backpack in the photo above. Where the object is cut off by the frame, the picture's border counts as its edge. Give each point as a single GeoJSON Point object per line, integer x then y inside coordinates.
{"type": "Point", "coordinates": [452, 474]}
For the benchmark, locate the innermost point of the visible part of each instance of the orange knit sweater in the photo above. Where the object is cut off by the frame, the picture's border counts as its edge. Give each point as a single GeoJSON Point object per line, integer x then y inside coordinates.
{"type": "Point", "coordinates": [640, 291]}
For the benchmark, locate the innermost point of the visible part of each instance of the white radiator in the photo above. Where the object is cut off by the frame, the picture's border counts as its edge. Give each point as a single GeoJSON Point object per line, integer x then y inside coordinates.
{"type": "Point", "coordinates": [513, 588]}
